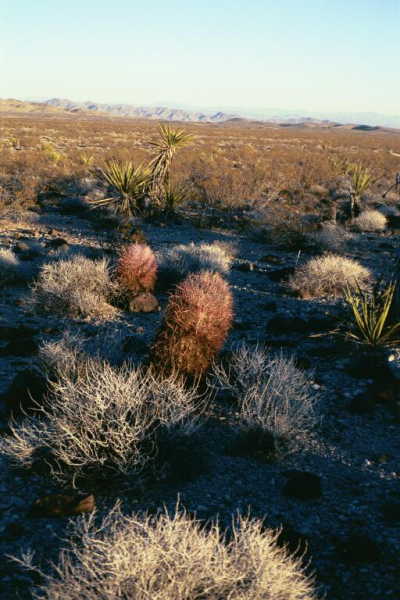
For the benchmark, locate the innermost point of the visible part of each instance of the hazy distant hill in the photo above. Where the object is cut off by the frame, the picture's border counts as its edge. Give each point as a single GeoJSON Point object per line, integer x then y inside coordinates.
{"type": "Point", "coordinates": [139, 112]}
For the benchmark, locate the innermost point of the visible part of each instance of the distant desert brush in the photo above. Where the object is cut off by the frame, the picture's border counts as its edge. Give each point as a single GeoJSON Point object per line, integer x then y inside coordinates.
{"type": "Point", "coordinates": [137, 269]}
{"type": "Point", "coordinates": [197, 320]}
{"type": "Point", "coordinates": [330, 238]}
{"type": "Point", "coordinates": [9, 266]}
{"type": "Point", "coordinates": [164, 557]}
{"type": "Point", "coordinates": [370, 220]}
{"type": "Point", "coordinates": [100, 421]}
{"type": "Point", "coordinates": [328, 276]}
{"type": "Point", "coordinates": [76, 288]}
{"type": "Point", "coordinates": [181, 260]}
{"type": "Point", "coordinates": [272, 393]}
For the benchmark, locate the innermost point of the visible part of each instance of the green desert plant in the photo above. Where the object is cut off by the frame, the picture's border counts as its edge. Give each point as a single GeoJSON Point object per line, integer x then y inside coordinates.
{"type": "Point", "coordinates": [169, 142]}
{"type": "Point", "coordinates": [371, 311]}
{"type": "Point", "coordinates": [361, 180]}
{"type": "Point", "coordinates": [129, 182]}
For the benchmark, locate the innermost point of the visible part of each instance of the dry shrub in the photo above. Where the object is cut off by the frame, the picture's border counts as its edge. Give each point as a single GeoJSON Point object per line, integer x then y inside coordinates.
{"type": "Point", "coordinates": [9, 266]}
{"type": "Point", "coordinates": [273, 394]}
{"type": "Point", "coordinates": [172, 558]}
{"type": "Point", "coordinates": [100, 421]}
{"type": "Point", "coordinates": [76, 288]}
{"type": "Point", "coordinates": [179, 261]}
{"type": "Point", "coordinates": [330, 238]}
{"type": "Point", "coordinates": [328, 275]}
{"type": "Point", "coordinates": [370, 220]}
{"type": "Point", "coordinates": [137, 269]}
{"type": "Point", "coordinates": [197, 320]}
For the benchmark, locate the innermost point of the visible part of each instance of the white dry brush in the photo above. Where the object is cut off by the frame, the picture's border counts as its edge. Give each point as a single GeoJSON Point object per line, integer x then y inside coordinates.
{"type": "Point", "coordinates": [328, 275]}
{"type": "Point", "coordinates": [171, 558]}
{"type": "Point", "coordinates": [9, 266]}
{"type": "Point", "coordinates": [183, 259]}
{"type": "Point", "coordinates": [272, 393]}
{"type": "Point", "coordinates": [99, 418]}
{"type": "Point", "coordinates": [76, 288]}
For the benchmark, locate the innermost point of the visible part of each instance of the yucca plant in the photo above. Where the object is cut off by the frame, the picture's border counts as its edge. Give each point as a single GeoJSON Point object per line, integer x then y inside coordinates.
{"type": "Point", "coordinates": [169, 142]}
{"type": "Point", "coordinates": [131, 184]}
{"type": "Point", "coordinates": [372, 310]}
{"type": "Point", "coordinates": [174, 195]}
{"type": "Point", "coordinates": [361, 180]}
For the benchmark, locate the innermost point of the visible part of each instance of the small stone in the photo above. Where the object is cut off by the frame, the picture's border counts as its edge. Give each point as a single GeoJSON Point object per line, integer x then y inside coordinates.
{"type": "Point", "coordinates": [359, 548]}
{"type": "Point", "coordinates": [272, 259]}
{"type": "Point", "coordinates": [302, 485]}
{"type": "Point", "coordinates": [144, 302]}
{"type": "Point", "coordinates": [62, 505]}
{"type": "Point", "coordinates": [280, 274]}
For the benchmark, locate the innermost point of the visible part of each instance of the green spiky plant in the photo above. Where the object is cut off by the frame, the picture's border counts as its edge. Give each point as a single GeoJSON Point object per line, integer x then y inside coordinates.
{"type": "Point", "coordinates": [130, 183]}
{"type": "Point", "coordinates": [174, 195]}
{"type": "Point", "coordinates": [169, 142]}
{"type": "Point", "coordinates": [372, 312]}
{"type": "Point", "coordinates": [361, 180]}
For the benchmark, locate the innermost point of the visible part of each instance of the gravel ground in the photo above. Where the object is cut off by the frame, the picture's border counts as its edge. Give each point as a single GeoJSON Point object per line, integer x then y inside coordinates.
{"type": "Point", "coordinates": [349, 531]}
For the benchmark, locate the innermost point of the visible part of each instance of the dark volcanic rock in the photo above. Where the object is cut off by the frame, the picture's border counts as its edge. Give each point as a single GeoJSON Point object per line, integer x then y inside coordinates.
{"type": "Point", "coordinates": [359, 547]}
{"type": "Point", "coordinates": [302, 485]}
{"type": "Point", "coordinates": [281, 324]}
{"type": "Point", "coordinates": [28, 388]}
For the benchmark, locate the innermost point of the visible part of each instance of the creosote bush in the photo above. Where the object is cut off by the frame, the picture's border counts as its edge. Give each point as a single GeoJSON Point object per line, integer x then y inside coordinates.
{"type": "Point", "coordinates": [76, 288]}
{"type": "Point", "coordinates": [100, 421]}
{"type": "Point", "coordinates": [181, 260]}
{"type": "Point", "coordinates": [274, 396]}
{"type": "Point", "coordinates": [370, 220]}
{"type": "Point", "coordinates": [197, 320]}
{"type": "Point", "coordinates": [328, 275]}
{"type": "Point", "coordinates": [137, 269]}
{"type": "Point", "coordinates": [330, 238]}
{"type": "Point", "coordinates": [172, 558]}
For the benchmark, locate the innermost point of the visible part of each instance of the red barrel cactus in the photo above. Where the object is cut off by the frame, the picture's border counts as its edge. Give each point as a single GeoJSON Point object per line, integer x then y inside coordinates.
{"type": "Point", "coordinates": [137, 269]}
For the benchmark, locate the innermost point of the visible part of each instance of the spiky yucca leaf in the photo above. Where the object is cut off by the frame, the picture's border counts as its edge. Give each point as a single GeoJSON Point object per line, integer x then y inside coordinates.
{"type": "Point", "coordinates": [130, 182]}
{"type": "Point", "coordinates": [370, 311]}
{"type": "Point", "coordinates": [169, 142]}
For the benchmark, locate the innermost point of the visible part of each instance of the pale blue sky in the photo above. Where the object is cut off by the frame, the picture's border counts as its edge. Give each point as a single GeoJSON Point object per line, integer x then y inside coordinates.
{"type": "Point", "coordinates": [319, 55]}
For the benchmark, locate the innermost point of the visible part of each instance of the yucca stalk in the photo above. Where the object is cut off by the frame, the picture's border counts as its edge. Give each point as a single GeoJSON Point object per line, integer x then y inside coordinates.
{"type": "Point", "coordinates": [131, 184]}
{"type": "Point", "coordinates": [371, 310]}
{"type": "Point", "coordinates": [169, 142]}
{"type": "Point", "coordinates": [361, 180]}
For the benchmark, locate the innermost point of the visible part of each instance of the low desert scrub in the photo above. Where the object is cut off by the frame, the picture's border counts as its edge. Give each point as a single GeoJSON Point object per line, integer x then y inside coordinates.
{"type": "Point", "coordinates": [274, 396]}
{"type": "Point", "coordinates": [127, 557]}
{"type": "Point", "coordinates": [76, 288]}
{"type": "Point", "coordinates": [137, 269]}
{"type": "Point", "coordinates": [197, 320]}
{"type": "Point", "coordinates": [9, 266]}
{"type": "Point", "coordinates": [100, 421]}
{"type": "Point", "coordinates": [328, 275]}
{"type": "Point", "coordinates": [179, 261]}
{"type": "Point", "coordinates": [330, 238]}
{"type": "Point", "coordinates": [370, 220]}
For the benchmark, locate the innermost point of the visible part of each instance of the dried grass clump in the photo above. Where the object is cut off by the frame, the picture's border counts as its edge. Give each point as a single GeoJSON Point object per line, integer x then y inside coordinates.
{"type": "Point", "coordinates": [197, 320]}
{"type": "Point", "coordinates": [179, 261]}
{"type": "Point", "coordinates": [370, 220]}
{"type": "Point", "coordinates": [273, 394]}
{"type": "Point", "coordinates": [9, 266]}
{"type": "Point", "coordinates": [76, 288]}
{"type": "Point", "coordinates": [328, 276]}
{"type": "Point", "coordinates": [100, 421]}
{"type": "Point", "coordinates": [330, 238]}
{"type": "Point", "coordinates": [137, 269]}
{"type": "Point", "coordinates": [172, 558]}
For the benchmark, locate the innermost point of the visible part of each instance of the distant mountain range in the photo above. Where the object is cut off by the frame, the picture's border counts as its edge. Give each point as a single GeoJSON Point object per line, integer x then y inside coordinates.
{"type": "Point", "coordinates": [361, 121]}
{"type": "Point", "coordinates": [140, 112]}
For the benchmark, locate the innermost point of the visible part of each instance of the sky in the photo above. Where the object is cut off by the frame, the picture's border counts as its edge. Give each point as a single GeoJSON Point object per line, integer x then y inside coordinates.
{"type": "Point", "coordinates": [315, 55]}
